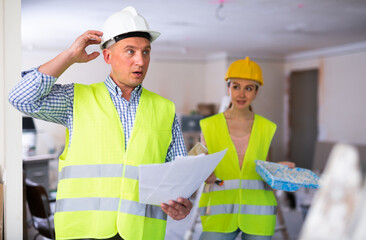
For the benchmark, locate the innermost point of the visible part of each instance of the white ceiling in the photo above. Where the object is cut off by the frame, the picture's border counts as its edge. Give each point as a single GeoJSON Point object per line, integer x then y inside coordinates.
{"type": "Point", "coordinates": [203, 28]}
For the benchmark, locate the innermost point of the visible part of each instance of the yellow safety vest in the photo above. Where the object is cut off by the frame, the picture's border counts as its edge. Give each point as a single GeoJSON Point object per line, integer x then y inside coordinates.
{"type": "Point", "coordinates": [98, 190]}
{"type": "Point", "coordinates": [244, 201]}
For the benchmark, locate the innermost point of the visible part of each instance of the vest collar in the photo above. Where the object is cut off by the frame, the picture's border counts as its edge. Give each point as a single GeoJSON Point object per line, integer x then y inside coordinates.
{"type": "Point", "coordinates": [114, 90]}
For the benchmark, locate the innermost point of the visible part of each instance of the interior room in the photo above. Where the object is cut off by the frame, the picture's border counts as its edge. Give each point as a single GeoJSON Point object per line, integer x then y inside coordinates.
{"type": "Point", "coordinates": [312, 55]}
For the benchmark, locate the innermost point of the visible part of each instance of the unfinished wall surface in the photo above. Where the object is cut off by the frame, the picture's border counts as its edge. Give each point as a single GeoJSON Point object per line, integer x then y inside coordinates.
{"type": "Point", "coordinates": [342, 117]}
{"type": "Point", "coordinates": [214, 87]}
{"type": "Point", "coordinates": [179, 81]}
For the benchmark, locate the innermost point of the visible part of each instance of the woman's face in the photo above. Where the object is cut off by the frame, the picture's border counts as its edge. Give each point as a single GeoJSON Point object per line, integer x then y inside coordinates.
{"type": "Point", "coordinates": [242, 92]}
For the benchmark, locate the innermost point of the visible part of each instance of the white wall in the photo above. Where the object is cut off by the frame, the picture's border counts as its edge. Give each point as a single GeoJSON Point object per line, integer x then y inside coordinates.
{"type": "Point", "coordinates": [180, 81]}
{"type": "Point", "coordinates": [214, 86]}
{"type": "Point", "coordinates": [10, 120]}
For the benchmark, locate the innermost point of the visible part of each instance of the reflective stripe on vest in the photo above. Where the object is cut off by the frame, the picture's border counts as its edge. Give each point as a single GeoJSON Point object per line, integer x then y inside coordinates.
{"type": "Point", "coordinates": [109, 204]}
{"type": "Point", "coordinates": [140, 209]}
{"type": "Point", "coordinates": [87, 204]}
{"type": "Point", "coordinates": [235, 183]}
{"type": "Point", "coordinates": [98, 170]}
{"type": "Point", "coordinates": [234, 208]}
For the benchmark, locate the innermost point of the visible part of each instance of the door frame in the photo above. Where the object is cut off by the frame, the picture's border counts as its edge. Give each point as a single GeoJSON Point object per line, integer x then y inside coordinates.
{"type": "Point", "coordinates": [287, 109]}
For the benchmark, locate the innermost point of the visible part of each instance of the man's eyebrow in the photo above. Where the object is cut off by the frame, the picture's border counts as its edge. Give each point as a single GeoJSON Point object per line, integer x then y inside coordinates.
{"type": "Point", "coordinates": [134, 47]}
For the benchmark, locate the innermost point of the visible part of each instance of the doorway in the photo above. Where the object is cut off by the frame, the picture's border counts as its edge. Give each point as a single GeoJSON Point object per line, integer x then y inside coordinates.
{"type": "Point", "coordinates": [303, 117]}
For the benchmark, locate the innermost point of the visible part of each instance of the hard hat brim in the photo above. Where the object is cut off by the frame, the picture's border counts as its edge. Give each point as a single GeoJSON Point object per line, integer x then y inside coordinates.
{"type": "Point", "coordinates": [153, 36]}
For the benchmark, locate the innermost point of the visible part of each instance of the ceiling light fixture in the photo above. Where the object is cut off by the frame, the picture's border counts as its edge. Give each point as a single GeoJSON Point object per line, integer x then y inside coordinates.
{"type": "Point", "coordinates": [219, 8]}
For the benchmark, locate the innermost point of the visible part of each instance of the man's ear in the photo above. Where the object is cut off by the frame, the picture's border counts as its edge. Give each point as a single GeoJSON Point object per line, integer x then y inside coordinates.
{"type": "Point", "coordinates": [107, 55]}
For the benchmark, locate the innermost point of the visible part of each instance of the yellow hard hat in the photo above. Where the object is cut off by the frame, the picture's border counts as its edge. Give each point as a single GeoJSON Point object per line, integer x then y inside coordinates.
{"type": "Point", "coordinates": [245, 69]}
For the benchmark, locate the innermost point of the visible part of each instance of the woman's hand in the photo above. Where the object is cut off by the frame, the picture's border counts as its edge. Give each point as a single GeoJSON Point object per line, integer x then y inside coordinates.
{"type": "Point", "coordinates": [288, 164]}
{"type": "Point", "coordinates": [211, 179]}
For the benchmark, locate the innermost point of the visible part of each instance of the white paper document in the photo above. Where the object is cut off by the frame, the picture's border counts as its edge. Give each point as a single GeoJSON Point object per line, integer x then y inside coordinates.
{"type": "Point", "coordinates": [159, 183]}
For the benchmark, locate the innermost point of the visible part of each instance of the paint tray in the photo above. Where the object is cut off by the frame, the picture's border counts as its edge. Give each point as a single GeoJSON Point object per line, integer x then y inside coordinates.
{"type": "Point", "coordinates": [281, 177]}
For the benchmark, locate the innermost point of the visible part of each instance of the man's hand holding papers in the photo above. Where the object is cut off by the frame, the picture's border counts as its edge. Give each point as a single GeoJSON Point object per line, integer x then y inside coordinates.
{"type": "Point", "coordinates": [171, 184]}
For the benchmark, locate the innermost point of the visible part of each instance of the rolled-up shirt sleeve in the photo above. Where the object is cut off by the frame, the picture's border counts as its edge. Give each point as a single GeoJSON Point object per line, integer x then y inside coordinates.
{"type": "Point", "coordinates": [38, 96]}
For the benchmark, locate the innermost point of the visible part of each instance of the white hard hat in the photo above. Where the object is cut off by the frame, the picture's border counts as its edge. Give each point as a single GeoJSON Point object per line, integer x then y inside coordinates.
{"type": "Point", "coordinates": [125, 21]}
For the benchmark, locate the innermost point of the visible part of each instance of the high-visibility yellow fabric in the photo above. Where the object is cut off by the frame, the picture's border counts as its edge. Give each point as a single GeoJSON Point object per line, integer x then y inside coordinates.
{"type": "Point", "coordinates": [98, 138]}
{"type": "Point", "coordinates": [217, 138]}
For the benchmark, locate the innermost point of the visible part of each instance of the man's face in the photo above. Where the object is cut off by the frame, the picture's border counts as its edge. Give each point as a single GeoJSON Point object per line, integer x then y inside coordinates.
{"type": "Point", "coordinates": [129, 59]}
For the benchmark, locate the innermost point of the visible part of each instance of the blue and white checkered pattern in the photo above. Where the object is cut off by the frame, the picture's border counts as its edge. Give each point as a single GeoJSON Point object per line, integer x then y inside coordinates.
{"type": "Point", "coordinates": [38, 96]}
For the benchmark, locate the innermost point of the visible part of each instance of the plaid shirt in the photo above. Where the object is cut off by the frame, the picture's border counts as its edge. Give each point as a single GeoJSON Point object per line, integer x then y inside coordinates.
{"type": "Point", "coordinates": [38, 96]}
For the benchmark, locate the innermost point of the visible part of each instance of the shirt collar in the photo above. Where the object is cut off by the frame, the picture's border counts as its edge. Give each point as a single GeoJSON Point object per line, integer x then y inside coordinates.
{"type": "Point", "coordinates": [114, 90]}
